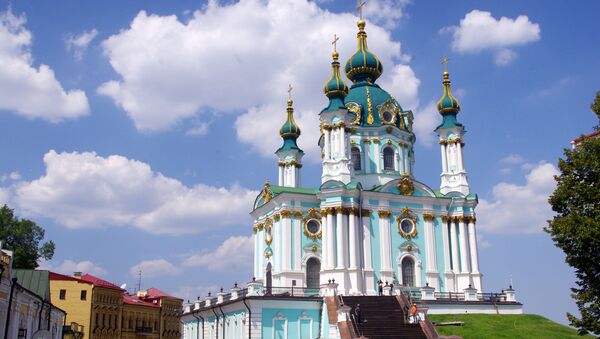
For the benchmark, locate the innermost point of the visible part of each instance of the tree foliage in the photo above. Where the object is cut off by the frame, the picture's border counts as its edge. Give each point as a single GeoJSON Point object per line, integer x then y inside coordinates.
{"type": "Point", "coordinates": [576, 226]}
{"type": "Point", "coordinates": [595, 106]}
{"type": "Point", "coordinates": [23, 237]}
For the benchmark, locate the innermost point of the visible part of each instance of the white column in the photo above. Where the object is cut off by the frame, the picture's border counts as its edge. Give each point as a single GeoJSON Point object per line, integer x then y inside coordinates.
{"type": "Point", "coordinates": [330, 240]}
{"type": "Point", "coordinates": [430, 244]}
{"type": "Point", "coordinates": [446, 238]}
{"type": "Point", "coordinates": [261, 254]}
{"type": "Point", "coordinates": [454, 238]}
{"type": "Point", "coordinates": [339, 238]}
{"type": "Point", "coordinates": [444, 158]}
{"type": "Point", "coordinates": [326, 144]}
{"type": "Point", "coordinates": [366, 225]}
{"type": "Point", "coordinates": [407, 160]}
{"type": "Point", "coordinates": [280, 175]}
{"type": "Point", "coordinates": [256, 254]}
{"type": "Point", "coordinates": [325, 235]}
{"type": "Point", "coordinates": [353, 239]}
{"type": "Point", "coordinates": [385, 247]}
{"type": "Point", "coordinates": [297, 232]}
{"type": "Point", "coordinates": [464, 250]}
{"type": "Point", "coordinates": [286, 241]}
{"type": "Point", "coordinates": [376, 156]}
{"type": "Point", "coordinates": [342, 143]}
{"type": "Point", "coordinates": [460, 157]}
{"type": "Point", "coordinates": [367, 151]}
{"type": "Point", "coordinates": [473, 244]}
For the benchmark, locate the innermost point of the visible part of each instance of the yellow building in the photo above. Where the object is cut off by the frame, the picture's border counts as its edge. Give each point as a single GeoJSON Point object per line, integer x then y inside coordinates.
{"type": "Point", "coordinates": [140, 318]}
{"type": "Point", "coordinates": [90, 302]}
{"type": "Point", "coordinates": [170, 312]}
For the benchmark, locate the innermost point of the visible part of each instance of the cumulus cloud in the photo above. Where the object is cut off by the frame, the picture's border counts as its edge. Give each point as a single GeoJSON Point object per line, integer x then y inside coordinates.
{"type": "Point", "coordinates": [519, 209]}
{"type": "Point", "coordinates": [385, 12]}
{"type": "Point", "coordinates": [68, 267]}
{"type": "Point", "coordinates": [84, 190]}
{"type": "Point", "coordinates": [235, 253]}
{"type": "Point", "coordinates": [26, 90]}
{"type": "Point", "coordinates": [479, 30]}
{"type": "Point", "coordinates": [238, 58]}
{"type": "Point", "coordinates": [78, 44]}
{"type": "Point", "coordinates": [426, 120]}
{"type": "Point", "coordinates": [154, 268]}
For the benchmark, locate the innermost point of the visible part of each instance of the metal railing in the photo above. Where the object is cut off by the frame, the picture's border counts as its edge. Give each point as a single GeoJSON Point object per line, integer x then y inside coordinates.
{"type": "Point", "coordinates": [291, 292]}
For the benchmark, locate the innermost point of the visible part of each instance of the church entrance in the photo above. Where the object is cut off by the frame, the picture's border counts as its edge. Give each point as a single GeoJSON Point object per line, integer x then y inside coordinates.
{"type": "Point", "coordinates": [408, 272]}
{"type": "Point", "coordinates": [313, 267]}
{"type": "Point", "coordinates": [269, 278]}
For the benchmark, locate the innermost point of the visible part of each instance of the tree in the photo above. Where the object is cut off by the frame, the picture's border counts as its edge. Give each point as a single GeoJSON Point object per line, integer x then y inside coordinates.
{"type": "Point", "coordinates": [595, 106]}
{"type": "Point", "coordinates": [23, 237]}
{"type": "Point", "coordinates": [575, 228]}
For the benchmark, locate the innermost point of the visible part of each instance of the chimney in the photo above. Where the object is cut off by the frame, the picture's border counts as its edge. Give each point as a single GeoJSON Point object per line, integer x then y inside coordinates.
{"type": "Point", "coordinates": [77, 275]}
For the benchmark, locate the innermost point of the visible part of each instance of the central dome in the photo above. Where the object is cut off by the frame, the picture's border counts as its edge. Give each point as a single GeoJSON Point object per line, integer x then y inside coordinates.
{"type": "Point", "coordinates": [363, 65]}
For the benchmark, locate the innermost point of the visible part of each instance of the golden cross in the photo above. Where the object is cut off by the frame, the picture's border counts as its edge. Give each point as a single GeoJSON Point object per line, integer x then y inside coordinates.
{"type": "Point", "coordinates": [334, 42]}
{"type": "Point", "coordinates": [445, 62]}
{"type": "Point", "coordinates": [290, 88]}
{"type": "Point", "coordinates": [360, 6]}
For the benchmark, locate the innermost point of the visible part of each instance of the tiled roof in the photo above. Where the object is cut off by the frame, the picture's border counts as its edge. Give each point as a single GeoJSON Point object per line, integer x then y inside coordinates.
{"type": "Point", "coordinates": [99, 282]}
{"type": "Point", "coordinates": [58, 276]}
{"type": "Point", "coordinates": [134, 300]}
{"type": "Point", "coordinates": [35, 281]}
{"type": "Point", "coordinates": [586, 136]}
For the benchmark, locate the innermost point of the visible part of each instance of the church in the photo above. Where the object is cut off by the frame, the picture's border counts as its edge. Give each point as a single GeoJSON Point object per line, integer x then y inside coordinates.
{"type": "Point", "coordinates": [370, 228]}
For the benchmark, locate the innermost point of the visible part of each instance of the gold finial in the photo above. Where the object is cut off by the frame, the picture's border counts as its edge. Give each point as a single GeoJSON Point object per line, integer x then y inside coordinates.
{"type": "Point", "coordinates": [290, 88]}
{"type": "Point", "coordinates": [360, 7]}
{"type": "Point", "coordinates": [445, 62]}
{"type": "Point", "coordinates": [334, 43]}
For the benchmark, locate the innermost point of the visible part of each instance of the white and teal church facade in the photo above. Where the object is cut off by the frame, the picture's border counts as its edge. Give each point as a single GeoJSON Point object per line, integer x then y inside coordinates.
{"type": "Point", "coordinates": [370, 219]}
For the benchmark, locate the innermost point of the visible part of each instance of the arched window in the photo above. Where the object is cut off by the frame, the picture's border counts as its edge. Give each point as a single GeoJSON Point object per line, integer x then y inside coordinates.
{"type": "Point", "coordinates": [388, 159]}
{"type": "Point", "coordinates": [408, 272]}
{"type": "Point", "coordinates": [313, 267]}
{"type": "Point", "coordinates": [356, 158]}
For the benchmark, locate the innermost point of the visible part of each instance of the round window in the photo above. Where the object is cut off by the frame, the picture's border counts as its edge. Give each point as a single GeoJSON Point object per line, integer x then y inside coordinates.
{"type": "Point", "coordinates": [387, 117]}
{"type": "Point", "coordinates": [313, 226]}
{"type": "Point", "coordinates": [407, 226]}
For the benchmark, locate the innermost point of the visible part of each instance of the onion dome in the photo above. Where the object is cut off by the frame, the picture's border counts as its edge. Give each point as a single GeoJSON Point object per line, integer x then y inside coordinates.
{"type": "Point", "coordinates": [289, 131]}
{"type": "Point", "coordinates": [363, 65]}
{"type": "Point", "coordinates": [335, 89]}
{"type": "Point", "coordinates": [447, 103]}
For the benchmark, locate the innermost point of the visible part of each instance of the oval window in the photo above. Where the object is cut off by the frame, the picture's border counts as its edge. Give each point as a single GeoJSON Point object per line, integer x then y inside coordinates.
{"type": "Point", "coordinates": [407, 226]}
{"type": "Point", "coordinates": [313, 226]}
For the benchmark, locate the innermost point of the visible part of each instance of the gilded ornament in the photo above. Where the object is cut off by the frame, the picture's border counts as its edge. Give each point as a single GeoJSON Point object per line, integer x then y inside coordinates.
{"type": "Point", "coordinates": [276, 217]}
{"type": "Point", "coordinates": [298, 215]}
{"type": "Point", "coordinates": [388, 129]}
{"type": "Point", "coordinates": [314, 248]}
{"type": "Point", "coordinates": [260, 226]}
{"type": "Point", "coordinates": [268, 232]}
{"type": "Point", "coordinates": [376, 140]}
{"type": "Point", "coordinates": [267, 193]}
{"type": "Point", "coordinates": [330, 210]}
{"type": "Point", "coordinates": [285, 214]}
{"type": "Point", "coordinates": [406, 186]}
{"type": "Point", "coordinates": [461, 218]}
{"type": "Point", "coordinates": [313, 212]}
{"type": "Point", "coordinates": [340, 209]}
{"type": "Point", "coordinates": [308, 233]}
{"type": "Point", "coordinates": [384, 214]}
{"type": "Point", "coordinates": [428, 217]}
{"type": "Point", "coordinates": [389, 108]}
{"type": "Point", "coordinates": [370, 118]}
{"type": "Point", "coordinates": [444, 218]}
{"type": "Point", "coordinates": [367, 141]}
{"type": "Point", "coordinates": [389, 141]}
{"type": "Point", "coordinates": [443, 142]}
{"type": "Point", "coordinates": [407, 224]}
{"type": "Point", "coordinates": [365, 212]}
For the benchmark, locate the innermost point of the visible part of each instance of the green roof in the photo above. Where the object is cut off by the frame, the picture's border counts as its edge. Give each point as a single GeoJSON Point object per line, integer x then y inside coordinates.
{"type": "Point", "coordinates": [36, 281]}
{"type": "Point", "coordinates": [300, 190]}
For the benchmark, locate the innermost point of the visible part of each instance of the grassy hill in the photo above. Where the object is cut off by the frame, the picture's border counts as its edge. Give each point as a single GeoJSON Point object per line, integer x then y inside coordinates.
{"type": "Point", "coordinates": [503, 326]}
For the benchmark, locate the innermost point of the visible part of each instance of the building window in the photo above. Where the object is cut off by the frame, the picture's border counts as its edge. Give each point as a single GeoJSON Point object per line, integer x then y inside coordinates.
{"type": "Point", "coordinates": [408, 272]}
{"type": "Point", "coordinates": [83, 295]}
{"type": "Point", "coordinates": [388, 159]}
{"type": "Point", "coordinates": [62, 295]}
{"type": "Point", "coordinates": [356, 158]}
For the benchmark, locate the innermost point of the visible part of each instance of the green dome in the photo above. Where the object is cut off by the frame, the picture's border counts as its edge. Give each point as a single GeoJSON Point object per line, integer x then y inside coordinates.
{"type": "Point", "coordinates": [363, 65]}
{"type": "Point", "coordinates": [290, 129]}
{"type": "Point", "coordinates": [370, 102]}
{"type": "Point", "coordinates": [335, 89]}
{"type": "Point", "coordinates": [447, 103]}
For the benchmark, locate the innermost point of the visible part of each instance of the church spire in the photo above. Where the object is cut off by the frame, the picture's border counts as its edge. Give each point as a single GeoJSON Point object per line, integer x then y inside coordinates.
{"type": "Point", "coordinates": [335, 89]}
{"type": "Point", "coordinates": [289, 154]}
{"type": "Point", "coordinates": [363, 65]}
{"type": "Point", "coordinates": [448, 105]}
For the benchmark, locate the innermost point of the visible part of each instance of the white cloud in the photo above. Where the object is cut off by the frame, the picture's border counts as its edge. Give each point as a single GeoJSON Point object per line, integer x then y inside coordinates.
{"type": "Point", "coordinates": [235, 253]}
{"type": "Point", "coordinates": [199, 129]}
{"type": "Point", "coordinates": [513, 159]}
{"type": "Point", "coordinates": [78, 43]}
{"type": "Point", "coordinates": [385, 12]}
{"type": "Point", "coordinates": [426, 120]}
{"type": "Point", "coordinates": [12, 176]}
{"type": "Point", "coordinates": [154, 268]}
{"type": "Point", "coordinates": [519, 209]}
{"type": "Point", "coordinates": [84, 190]}
{"type": "Point", "coordinates": [68, 267]}
{"type": "Point", "coordinates": [29, 91]}
{"type": "Point", "coordinates": [239, 58]}
{"type": "Point", "coordinates": [479, 30]}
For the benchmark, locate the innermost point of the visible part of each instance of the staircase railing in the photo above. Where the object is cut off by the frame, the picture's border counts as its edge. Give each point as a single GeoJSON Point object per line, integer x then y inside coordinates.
{"type": "Point", "coordinates": [354, 325]}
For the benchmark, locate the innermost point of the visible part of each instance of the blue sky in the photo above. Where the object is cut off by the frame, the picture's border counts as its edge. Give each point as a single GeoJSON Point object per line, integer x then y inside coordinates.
{"type": "Point", "coordinates": [138, 133]}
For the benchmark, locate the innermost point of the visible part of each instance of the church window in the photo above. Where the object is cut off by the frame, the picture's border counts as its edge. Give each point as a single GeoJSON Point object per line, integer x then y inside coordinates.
{"type": "Point", "coordinates": [313, 227]}
{"type": "Point", "coordinates": [388, 159]}
{"type": "Point", "coordinates": [407, 226]}
{"type": "Point", "coordinates": [313, 267]}
{"type": "Point", "coordinates": [408, 272]}
{"type": "Point", "coordinates": [356, 158]}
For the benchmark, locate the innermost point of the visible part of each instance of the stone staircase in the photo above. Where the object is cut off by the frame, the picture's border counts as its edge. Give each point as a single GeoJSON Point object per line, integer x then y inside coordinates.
{"type": "Point", "coordinates": [383, 317]}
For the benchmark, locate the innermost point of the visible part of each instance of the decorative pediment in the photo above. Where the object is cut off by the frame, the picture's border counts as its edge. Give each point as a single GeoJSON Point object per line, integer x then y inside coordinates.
{"type": "Point", "coordinates": [406, 186]}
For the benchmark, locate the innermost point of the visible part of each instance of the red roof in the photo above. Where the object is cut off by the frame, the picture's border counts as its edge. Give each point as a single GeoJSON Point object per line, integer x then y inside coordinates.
{"type": "Point", "coordinates": [100, 282]}
{"type": "Point", "coordinates": [58, 276]}
{"type": "Point", "coordinates": [586, 136]}
{"type": "Point", "coordinates": [134, 300]}
{"type": "Point", "coordinates": [155, 293]}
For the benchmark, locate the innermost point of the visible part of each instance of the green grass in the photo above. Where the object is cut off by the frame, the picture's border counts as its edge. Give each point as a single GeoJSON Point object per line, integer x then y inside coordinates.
{"type": "Point", "coordinates": [503, 326]}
